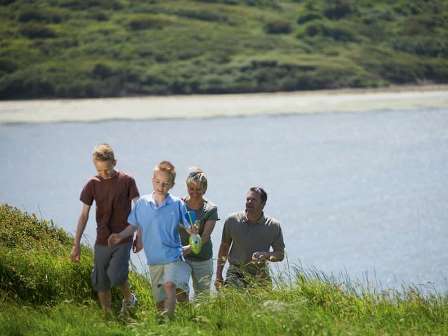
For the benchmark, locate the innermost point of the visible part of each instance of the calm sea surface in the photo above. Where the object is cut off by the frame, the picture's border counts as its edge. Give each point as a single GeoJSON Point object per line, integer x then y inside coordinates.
{"type": "Point", "coordinates": [363, 195]}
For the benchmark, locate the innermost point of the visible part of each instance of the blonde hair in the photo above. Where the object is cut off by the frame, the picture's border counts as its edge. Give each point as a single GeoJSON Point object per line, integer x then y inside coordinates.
{"type": "Point", "coordinates": [197, 175]}
{"type": "Point", "coordinates": [168, 168]}
{"type": "Point", "coordinates": [103, 152]}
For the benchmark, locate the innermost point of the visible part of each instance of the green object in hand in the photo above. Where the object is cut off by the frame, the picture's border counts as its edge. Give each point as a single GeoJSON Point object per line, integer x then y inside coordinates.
{"type": "Point", "coordinates": [195, 239]}
{"type": "Point", "coordinates": [195, 243]}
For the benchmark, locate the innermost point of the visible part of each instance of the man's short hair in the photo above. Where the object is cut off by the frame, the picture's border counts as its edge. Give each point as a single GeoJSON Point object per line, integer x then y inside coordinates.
{"type": "Point", "coordinates": [103, 152]}
{"type": "Point", "coordinates": [168, 168]}
{"type": "Point", "coordinates": [260, 191]}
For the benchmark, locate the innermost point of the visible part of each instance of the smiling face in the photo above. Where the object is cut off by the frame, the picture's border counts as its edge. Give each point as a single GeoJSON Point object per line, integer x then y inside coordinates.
{"type": "Point", "coordinates": [161, 183]}
{"type": "Point", "coordinates": [195, 190]}
{"type": "Point", "coordinates": [254, 205]}
{"type": "Point", "coordinates": [105, 169]}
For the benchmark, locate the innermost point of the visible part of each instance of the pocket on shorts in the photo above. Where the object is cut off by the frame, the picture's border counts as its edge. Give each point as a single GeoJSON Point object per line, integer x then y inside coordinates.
{"type": "Point", "coordinates": [94, 278]}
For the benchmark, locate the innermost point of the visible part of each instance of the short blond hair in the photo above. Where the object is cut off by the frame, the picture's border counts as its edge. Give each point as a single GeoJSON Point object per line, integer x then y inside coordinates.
{"type": "Point", "coordinates": [168, 168]}
{"type": "Point", "coordinates": [103, 152]}
{"type": "Point", "coordinates": [197, 175]}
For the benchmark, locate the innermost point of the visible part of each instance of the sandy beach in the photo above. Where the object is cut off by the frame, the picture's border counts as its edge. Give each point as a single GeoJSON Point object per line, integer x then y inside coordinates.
{"type": "Point", "coordinates": [228, 105]}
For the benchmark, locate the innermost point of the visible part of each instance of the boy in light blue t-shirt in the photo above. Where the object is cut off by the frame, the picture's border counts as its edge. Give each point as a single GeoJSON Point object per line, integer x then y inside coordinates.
{"type": "Point", "coordinates": [158, 216]}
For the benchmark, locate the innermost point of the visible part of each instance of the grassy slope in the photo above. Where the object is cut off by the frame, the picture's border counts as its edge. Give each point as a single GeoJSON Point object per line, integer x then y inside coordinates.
{"type": "Point", "coordinates": [68, 48]}
{"type": "Point", "coordinates": [43, 293]}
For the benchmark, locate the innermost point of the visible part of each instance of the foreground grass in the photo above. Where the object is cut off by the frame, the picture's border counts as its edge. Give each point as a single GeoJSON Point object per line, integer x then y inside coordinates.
{"type": "Point", "coordinates": [93, 48]}
{"type": "Point", "coordinates": [309, 305]}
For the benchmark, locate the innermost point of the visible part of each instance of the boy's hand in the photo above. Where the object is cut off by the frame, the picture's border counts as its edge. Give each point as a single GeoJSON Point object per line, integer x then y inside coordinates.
{"type": "Point", "coordinates": [75, 254]}
{"type": "Point", "coordinates": [114, 239]}
{"type": "Point", "coordinates": [186, 250]}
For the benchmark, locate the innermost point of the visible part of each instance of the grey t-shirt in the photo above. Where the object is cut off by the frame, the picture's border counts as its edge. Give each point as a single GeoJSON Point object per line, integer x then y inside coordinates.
{"type": "Point", "coordinates": [247, 238]}
{"type": "Point", "coordinates": [209, 211]}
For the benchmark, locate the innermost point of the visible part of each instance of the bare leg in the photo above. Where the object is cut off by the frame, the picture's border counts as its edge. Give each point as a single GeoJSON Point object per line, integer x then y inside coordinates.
{"type": "Point", "coordinates": [170, 301]}
{"type": "Point", "coordinates": [125, 291]}
{"type": "Point", "coordinates": [105, 298]}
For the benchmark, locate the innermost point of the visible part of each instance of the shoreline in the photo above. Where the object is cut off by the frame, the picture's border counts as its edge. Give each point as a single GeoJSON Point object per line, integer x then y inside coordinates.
{"type": "Point", "coordinates": [223, 105]}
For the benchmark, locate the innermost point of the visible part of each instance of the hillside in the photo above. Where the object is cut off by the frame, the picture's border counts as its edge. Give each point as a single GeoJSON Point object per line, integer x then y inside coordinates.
{"type": "Point", "coordinates": [97, 48]}
{"type": "Point", "coordinates": [43, 293]}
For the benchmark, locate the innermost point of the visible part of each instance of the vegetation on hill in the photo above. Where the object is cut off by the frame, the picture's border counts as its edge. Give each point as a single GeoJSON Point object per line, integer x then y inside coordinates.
{"type": "Point", "coordinates": [43, 293]}
{"type": "Point", "coordinates": [96, 48]}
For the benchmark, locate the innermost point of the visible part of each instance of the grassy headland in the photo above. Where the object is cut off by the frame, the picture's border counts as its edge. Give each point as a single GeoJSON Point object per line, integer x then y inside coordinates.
{"type": "Point", "coordinates": [97, 48]}
{"type": "Point", "coordinates": [43, 293]}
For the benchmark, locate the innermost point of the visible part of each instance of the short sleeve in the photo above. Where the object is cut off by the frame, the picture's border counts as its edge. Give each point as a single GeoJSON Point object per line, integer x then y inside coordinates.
{"type": "Point", "coordinates": [278, 244]}
{"type": "Point", "coordinates": [132, 218]}
{"type": "Point", "coordinates": [226, 234]}
{"type": "Point", "coordinates": [183, 215]}
{"type": "Point", "coordinates": [212, 214]}
{"type": "Point", "coordinates": [133, 190]}
{"type": "Point", "coordinates": [87, 193]}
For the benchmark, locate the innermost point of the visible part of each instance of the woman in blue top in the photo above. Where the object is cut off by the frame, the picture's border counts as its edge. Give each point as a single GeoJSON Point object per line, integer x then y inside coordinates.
{"type": "Point", "coordinates": [206, 216]}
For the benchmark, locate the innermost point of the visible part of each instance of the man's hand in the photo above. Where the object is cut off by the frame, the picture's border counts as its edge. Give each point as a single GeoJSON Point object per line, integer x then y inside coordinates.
{"type": "Point", "coordinates": [261, 257]}
{"type": "Point", "coordinates": [114, 239]}
{"type": "Point", "coordinates": [137, 245]}
{"type": "Point", "coordinates": [75, 255]}
{"type": "Point", "coordinates": [186, 250]}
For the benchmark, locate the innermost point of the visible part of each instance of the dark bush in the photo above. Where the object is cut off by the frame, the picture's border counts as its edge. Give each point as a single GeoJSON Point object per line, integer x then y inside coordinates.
{"type": "Point", "coordinates": [40, 16]}
{"type": "Point", "coordinates": [334, 32]}
{"type": "Point", "coordinates": [89, 4]}
{"type": "Point", "coordinates": [146, 23]}
{"type": "Point", "coordinates": [278, 27]}
{"type": "Point", "coordinates": [422, 46]}
{"type": "Point", "coordinates": [202, 15]}
{"type": "Point", "coordinates": [308, 17]}
{"type": "Point", "coordinates": [99, 16]}
{"type": "Point", "coordinates": [37, 30]}
{"type": "Point", "coordinates": [338, 9]}
{"type": "Point", "coordinates": [7, 65]}
{"type": "Point", "coordinates": [102, 71]}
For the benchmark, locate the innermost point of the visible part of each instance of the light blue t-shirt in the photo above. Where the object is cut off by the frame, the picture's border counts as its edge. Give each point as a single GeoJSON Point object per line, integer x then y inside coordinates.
{"type": "Point", "coordinates": [159, 225]}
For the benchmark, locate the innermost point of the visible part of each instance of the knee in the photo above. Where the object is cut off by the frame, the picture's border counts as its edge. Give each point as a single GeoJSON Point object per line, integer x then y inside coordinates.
{"type": "Point", "coordinates": [169, 286]}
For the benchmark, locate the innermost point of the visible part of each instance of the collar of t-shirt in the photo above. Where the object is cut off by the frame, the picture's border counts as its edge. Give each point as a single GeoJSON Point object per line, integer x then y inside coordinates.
{"type": "Point", "coordinates": [168, 200]}
{"type": "Point", "coordinates": [114, 176]}
{"type": "Point", "coordinates": [261, 220]}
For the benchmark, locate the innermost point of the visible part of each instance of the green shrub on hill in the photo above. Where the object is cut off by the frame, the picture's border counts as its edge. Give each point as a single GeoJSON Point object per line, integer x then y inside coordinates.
{"type": "Point", "coordinates": [51, 49]}
{"type": "Point", "coordinates": [34, 263]}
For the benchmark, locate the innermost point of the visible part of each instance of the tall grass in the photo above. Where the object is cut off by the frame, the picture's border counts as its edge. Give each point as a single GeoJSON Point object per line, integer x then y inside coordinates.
{"type": "Point", "coordinates": [43, 293]}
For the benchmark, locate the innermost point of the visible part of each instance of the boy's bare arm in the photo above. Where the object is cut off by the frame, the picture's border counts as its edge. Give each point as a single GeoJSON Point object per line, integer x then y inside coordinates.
{"type": "Point", "coordinates": [82, 222]}
{"type": "Point", "coordinates": [116, 238]}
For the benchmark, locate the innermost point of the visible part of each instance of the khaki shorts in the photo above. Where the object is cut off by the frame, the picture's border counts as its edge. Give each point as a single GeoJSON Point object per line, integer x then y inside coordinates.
{"type": "Point", "coordinates": [177, 272]}
{"type": "Point", "coordinates": [201, 274]}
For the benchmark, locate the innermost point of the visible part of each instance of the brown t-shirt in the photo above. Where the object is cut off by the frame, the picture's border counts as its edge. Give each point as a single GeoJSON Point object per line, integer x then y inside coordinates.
{"type": "Point", "coordinates": [247, 238]}
{"type": "Point", "coordinates": [113, 203]}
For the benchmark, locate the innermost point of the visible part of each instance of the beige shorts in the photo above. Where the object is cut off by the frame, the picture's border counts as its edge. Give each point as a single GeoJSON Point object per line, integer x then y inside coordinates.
{"type": "Point", "coordinates": [177, 272]}
{"type": "Point", "coordinates": [201, 274]}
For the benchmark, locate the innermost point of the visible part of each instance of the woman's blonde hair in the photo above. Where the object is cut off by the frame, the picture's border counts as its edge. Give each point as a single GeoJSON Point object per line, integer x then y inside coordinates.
{"type": "Point", "coordinates": [197, 175]}
{"type": "Point", "coordinates": [168, 168]}
{"type": "Point", "coordinates": [103, 152]}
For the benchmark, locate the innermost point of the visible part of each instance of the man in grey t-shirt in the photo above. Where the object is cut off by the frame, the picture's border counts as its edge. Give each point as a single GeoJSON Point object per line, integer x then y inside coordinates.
{"type": "Point", "coordinates": [249, 236]}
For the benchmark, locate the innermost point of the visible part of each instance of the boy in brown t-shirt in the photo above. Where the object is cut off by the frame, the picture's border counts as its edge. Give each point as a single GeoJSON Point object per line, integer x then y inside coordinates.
{"type": "Point", "coordinates": [113, 192]}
